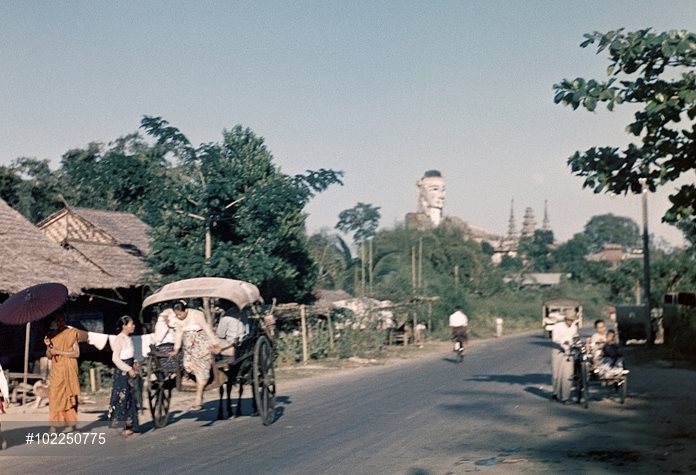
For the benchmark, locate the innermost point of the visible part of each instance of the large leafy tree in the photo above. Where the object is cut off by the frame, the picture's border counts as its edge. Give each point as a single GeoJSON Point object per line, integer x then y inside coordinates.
{"type": "Point", "coordinates": [362, 220]}
{"type": "Point", "coordinates": [537, 250]}
{"type": "Point", "coordinates": [655, 72]}
{"type": "Point", "coordinates": [128, 175]}
{"type": "Point", "coordinates": [611, 229]}
{"type": "Point", "coordinates": [332, 258]}
{"type": "Point", "coordinates": [232, 197]}
{"type": "Point", "coordinates": [30, 187]}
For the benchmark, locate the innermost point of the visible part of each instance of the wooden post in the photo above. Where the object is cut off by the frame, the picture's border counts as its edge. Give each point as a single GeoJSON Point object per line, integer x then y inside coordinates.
{"type": "Point", "coordinates": [420, 263]}
{"type": "Point", "coordinates": [413, 268]}
{"type": "Point", "coordinates": [362, 268]}
{"type": "Point", "coordinates": [330, 327]}
{"type": "Point", "coordinates": [303, 321]}
{"type": "Point", "coordinates": [369, 268]}
{"type": "Point", "coordinates": [27, 341]}
{"type": "Point", "coordinates": [93, 380]}
{"type": "Point", "coordinates": [97, 372]}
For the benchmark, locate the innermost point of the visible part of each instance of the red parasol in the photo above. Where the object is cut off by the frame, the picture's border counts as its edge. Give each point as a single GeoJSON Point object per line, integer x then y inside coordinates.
{"type": "Point", "coordinates": [33, 303]}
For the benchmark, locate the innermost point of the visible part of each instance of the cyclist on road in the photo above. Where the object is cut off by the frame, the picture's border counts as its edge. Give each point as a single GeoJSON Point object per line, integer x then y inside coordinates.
{"type": "Point", "coordinates": [459, 323]}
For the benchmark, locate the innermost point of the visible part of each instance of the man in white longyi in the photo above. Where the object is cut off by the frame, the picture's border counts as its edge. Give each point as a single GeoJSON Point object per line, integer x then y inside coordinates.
{"type": "Point", "coordinates": [562, 336]}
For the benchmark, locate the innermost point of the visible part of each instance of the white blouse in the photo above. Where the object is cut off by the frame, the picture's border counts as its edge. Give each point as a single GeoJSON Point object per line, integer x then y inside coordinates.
{"type": "Point", "coordinates": [123, 349]}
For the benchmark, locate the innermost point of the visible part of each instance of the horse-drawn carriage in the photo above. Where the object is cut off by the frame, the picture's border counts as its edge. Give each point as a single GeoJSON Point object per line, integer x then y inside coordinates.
{"type": "Point", "coordinates": [254, 355]}
{"type": "Point", "coordinates": [585, 372]}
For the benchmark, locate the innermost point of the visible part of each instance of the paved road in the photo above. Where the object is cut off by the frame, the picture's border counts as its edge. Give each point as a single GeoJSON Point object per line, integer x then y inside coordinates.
{"type": "Point", "coordinates": [423, 416]}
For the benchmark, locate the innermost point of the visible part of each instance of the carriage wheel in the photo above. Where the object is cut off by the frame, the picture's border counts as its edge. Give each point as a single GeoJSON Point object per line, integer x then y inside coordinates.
{"type": "Point", "coordinates": [159, 395]}
{"type": "Point", "coordinates": [264, 380]}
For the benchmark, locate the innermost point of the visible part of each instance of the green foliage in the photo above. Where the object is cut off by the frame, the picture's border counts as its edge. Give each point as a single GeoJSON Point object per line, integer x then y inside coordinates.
{"type": "Point", "coordinates": [537, 249]}
{"type": "Point", "coordinates": [105, 374]}
{"type": "Point", "coordinates": [611, 229]}
{"type": "Point", "coordinates": [330, 260]}
{"type": "Point", "coordinates": [362, 219]}
{"type": "Point", "coordinates": [129, 175]}
{"type": "Point", "coordinates": [29, 186]}
{"type": "Point", "coordinates": [656, 72]}
{"type": "Point", "coordinates": [252, 212]}
{"type": "Point", "coordinates": [571, 253]}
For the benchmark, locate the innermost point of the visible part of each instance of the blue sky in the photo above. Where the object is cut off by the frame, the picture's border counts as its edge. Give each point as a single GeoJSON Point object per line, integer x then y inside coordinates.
{"type": "Point", "coordinates": [382, 90]}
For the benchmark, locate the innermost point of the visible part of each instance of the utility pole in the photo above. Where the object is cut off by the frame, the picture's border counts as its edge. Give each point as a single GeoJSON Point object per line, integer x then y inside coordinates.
{"type": "Point", "coordinates": [370, 268]}
{"type": "Point", "coordinates": [646, 250]}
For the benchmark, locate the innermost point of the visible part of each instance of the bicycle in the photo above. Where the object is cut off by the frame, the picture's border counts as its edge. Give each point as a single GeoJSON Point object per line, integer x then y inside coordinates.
{"type": "Point", "coordinates": [459, 348]}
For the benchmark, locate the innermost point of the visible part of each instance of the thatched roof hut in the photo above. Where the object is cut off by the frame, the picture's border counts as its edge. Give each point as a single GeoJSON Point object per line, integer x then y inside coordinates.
{"type": "Point", "coordinates": [114, 242]}
{"type": "Point", "coordinates": [29, 258]}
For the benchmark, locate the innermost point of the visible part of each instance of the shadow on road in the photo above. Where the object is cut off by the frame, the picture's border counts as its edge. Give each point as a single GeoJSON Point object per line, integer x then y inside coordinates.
{"type": "Point", "coordinates": [544, 343]}
{"type": "Point", "coordinates": [521, 379]}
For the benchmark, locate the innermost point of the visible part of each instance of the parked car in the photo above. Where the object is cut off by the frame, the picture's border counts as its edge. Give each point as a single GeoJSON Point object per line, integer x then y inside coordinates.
{"type": "Point", "coordinates": [553, 311]}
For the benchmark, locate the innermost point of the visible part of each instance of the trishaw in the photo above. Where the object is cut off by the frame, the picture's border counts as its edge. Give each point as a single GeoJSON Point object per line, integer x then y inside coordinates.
{"type": "Point", "coordinates": [253, 363]}
{"type": "Point", "coordinates": [585, 372]}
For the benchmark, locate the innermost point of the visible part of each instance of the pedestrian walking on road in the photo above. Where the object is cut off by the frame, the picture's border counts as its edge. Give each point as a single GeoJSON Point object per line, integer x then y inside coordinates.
{"type": "Point", "coordinates": [123, 407]}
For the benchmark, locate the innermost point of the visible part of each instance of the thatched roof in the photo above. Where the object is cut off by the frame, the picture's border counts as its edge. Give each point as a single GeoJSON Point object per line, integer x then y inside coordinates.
{"type": "Point", "coordinates": [114, 242]}
{"type": "Point", "coordinates": [96, 225]}
{"type": "Point", "coordinates": [112, 260]}
{"type": "Point", "coordinates": [29, 258]}
{"type": "Point", "coordinates": [126, 228]}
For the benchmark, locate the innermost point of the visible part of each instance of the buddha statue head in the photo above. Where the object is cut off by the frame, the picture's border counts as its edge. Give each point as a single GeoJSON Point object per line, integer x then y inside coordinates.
{"type": "Point", "coordinates": [431, 195]}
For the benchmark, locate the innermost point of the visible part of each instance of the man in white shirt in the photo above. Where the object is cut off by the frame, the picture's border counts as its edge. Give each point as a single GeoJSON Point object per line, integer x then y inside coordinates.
{"type": "Point", "coordinates": [459, 323]}
{"type": "Point", "coordinates": [232, 328]}
{"type": "Point", "coordinates": [562, 336]}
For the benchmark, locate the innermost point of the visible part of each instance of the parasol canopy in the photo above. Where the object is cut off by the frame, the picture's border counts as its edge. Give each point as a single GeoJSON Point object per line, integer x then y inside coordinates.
{"type": "Point", "coordinates": [33, 303]}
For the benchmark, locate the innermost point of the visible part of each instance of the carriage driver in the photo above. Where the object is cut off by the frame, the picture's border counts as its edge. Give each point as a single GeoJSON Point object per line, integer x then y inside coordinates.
{"type": "Point", "coordinates": [232, 328]}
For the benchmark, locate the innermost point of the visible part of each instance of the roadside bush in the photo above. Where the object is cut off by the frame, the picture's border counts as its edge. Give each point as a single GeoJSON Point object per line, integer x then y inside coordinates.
{"type": "Point", "coordinates": [105, 374]}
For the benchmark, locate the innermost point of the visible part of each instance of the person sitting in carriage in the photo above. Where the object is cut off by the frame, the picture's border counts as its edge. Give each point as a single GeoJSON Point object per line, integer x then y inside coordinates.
{"type": "Point", "coordinates": [597, 341]}
{"type": "Point", "coordinates": [232, 329]}
{"type": "Point", "coordinates": [611, 365]}
{"type": "Point", "coordinates": [164, 337]}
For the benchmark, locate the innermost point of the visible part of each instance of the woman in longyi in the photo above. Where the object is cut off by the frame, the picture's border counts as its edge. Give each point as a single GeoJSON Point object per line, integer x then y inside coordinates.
{"type": "Point", "coordinates": [63, 349]}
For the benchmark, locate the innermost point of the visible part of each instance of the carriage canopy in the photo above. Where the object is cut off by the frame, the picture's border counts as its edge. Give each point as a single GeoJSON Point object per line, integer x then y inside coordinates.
{"type": "Point", "coordinates": [241, 293]}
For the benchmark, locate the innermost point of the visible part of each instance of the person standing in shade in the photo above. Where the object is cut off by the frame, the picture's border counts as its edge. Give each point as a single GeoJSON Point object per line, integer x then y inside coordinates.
{"type": "Point", "coordinates": [123, 408]}
{"type": "Point", "coordinates": [562, 336]}
{"type": "Point", "coordinates": [63, 349]}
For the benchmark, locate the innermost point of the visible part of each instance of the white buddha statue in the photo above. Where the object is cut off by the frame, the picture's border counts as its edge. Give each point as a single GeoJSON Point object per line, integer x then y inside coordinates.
{"type": "Point", "coordinates": [431, 196]}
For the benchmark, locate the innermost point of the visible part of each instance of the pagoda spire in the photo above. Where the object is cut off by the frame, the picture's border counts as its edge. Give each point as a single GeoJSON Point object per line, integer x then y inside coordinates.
{"type": "Point", "coordinates": [545, 225]}
{"type": "Point", "coordinates": [512, 228]}
{"type": "Point", "coordinates": [528, 223]}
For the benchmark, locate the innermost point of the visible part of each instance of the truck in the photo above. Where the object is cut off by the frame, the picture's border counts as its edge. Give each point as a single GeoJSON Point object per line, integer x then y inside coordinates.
{"type": "Point", "coordinates": [553, 311]}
